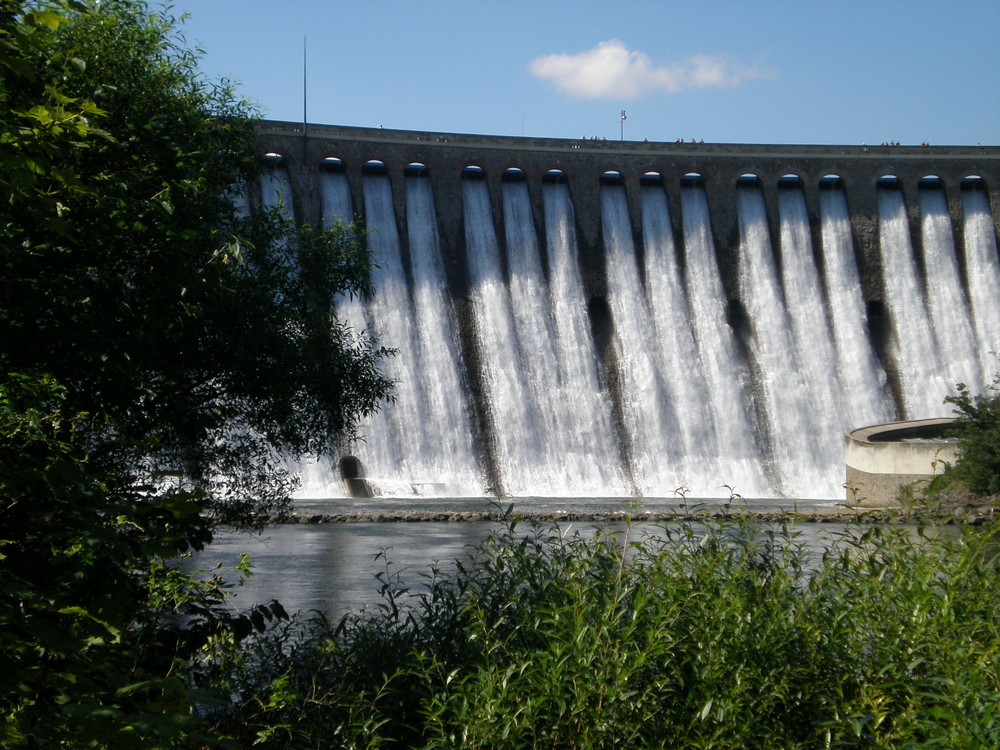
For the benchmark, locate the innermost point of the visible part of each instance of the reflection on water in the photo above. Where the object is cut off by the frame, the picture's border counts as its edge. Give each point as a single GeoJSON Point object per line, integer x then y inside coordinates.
{"type": "Point", "coordinates": [636, 506]}
{"type": "Point", "coordinates": [332, 568]}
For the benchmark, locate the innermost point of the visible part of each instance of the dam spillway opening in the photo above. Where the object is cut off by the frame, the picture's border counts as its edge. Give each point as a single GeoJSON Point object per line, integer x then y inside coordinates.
{"type": "Point", "coordinates": [574, 326]}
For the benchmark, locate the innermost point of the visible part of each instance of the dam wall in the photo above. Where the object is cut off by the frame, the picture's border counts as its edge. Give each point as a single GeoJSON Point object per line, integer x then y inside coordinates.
{"type": "Point", "coordinates": [606, 318]}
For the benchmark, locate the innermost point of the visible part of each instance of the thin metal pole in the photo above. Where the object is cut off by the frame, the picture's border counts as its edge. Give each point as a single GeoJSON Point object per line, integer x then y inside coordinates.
{"type": "Point", "coordinates": [305, 90]}
{"type": "Point", "coordinates": [305, 100]}
{"type": "Point", "coordinates": [623, 124]}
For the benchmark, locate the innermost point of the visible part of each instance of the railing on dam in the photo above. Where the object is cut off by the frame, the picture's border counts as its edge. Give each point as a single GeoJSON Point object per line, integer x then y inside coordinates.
{"type": "Point", "coordinates": [311, 143]}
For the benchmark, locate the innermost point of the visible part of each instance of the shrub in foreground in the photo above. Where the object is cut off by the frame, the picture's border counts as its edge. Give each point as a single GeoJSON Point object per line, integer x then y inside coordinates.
{"type": "Point", "coordinates": [730, 635]}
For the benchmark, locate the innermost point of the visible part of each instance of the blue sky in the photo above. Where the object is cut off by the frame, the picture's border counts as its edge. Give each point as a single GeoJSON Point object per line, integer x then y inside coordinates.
{"type": "Point", "coordinates": [762, 71]}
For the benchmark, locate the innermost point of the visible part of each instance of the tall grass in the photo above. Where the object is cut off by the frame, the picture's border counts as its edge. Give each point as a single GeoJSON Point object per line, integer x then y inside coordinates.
{"type": "Point", "coordinates": [722, 635]}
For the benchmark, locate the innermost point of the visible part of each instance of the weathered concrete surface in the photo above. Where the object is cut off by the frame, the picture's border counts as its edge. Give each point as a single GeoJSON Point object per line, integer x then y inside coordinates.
{"type": "Point", "coordinates": [583, 162]}
{"type": "Point", "coordinates": [882, 458]}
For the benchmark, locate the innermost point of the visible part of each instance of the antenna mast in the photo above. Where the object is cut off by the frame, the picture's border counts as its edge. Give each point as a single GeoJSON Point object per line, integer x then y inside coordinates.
{"type": "Point", "coordinates": [305, 118]}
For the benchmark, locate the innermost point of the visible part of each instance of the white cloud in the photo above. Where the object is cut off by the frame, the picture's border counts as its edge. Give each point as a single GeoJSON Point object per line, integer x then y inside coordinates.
{"type": "Point", "coordinates": [612, 71]}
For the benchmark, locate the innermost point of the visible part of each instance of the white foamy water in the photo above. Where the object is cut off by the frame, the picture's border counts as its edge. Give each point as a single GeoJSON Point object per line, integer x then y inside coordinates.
{"type": "Point", "coordinates": [676, 348]}
{"type": "Point", "coordinates": [522, 457]}
{"type": "Point", "coordinates": [549, 333]}
{"type": "Point", "coordinates": [946, 300]}
{"type": "Point", "coordinates": [802, 455]}
{"type": "Point", "coordinates": [449, 464]}
{"type": "Point", "coordinates": [643, 372]}
{"type": "Point", "coordinates": [914, 346]}
{"type": "Point", "coordinates": [866, 399]}
{"type": "Point", "coordinates": [648, 406]}
{"type": "Point", "coordinates": [726, 377]}
{"type": "Point", "coordinates": [983, 273]}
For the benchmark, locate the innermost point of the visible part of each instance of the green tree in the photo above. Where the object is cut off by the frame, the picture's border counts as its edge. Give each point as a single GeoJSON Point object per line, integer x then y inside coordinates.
{"type": "Point", "coordinates": [199, 337]}
{"type": "Point", "coordinates": [978, 422]}
{"type": "Point", "coordinates": [161, 355]}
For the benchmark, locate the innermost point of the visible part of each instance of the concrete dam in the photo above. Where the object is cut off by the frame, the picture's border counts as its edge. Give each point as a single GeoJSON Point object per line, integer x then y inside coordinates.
{"type": "Point", "coordinates": [631, 319]}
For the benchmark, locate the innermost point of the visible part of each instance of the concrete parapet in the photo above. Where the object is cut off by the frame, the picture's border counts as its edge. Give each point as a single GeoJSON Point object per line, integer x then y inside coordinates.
{"type": "Point", "coordinates": [883, 458]}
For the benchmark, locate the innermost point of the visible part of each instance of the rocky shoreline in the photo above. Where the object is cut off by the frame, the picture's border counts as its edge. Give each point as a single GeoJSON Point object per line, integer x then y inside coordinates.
{"type": "Point", "coordinates": [975, 515]}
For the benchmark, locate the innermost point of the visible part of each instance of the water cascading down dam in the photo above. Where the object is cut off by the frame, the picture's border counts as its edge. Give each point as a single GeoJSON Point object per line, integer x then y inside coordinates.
{"type": "Point", "coordinates": [594, 318]}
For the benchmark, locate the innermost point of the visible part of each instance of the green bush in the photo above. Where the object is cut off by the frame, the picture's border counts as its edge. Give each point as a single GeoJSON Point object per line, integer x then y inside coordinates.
{"type": "Point", "coordinates": [729, 635]}
{"type": "Point", "coordinates": [978, 465]}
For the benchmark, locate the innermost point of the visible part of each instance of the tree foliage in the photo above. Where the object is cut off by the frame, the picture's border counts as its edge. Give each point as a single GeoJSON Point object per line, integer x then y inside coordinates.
{"type": "Point", "coordinates": [196, 334]}
{"type": "Point", "coordinates": [978, 421]}
{"type": "Point", "coordinates": [161, 355]}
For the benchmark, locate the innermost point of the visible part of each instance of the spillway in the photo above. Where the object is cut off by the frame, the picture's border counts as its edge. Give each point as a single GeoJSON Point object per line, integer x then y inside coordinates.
{"type": "Point", "coordinates": [648, 347]}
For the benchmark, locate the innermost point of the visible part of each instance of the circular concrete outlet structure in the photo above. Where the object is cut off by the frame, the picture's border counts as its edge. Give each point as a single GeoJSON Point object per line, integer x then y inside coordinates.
{"type": "Point", "coordinates": [885, 457]}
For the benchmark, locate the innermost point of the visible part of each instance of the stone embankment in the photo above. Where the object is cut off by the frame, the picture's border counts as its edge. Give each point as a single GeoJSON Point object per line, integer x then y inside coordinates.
{"type": "Point", "coordinates": [972, 514]}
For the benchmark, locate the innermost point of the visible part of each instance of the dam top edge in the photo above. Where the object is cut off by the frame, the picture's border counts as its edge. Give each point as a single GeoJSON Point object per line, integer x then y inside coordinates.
{"type": "Point", "coordinates": [538, 143]}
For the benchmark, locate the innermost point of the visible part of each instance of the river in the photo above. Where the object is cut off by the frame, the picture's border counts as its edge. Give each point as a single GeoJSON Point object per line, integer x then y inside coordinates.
{"type": "Point", "coordinates": [332, 567]}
